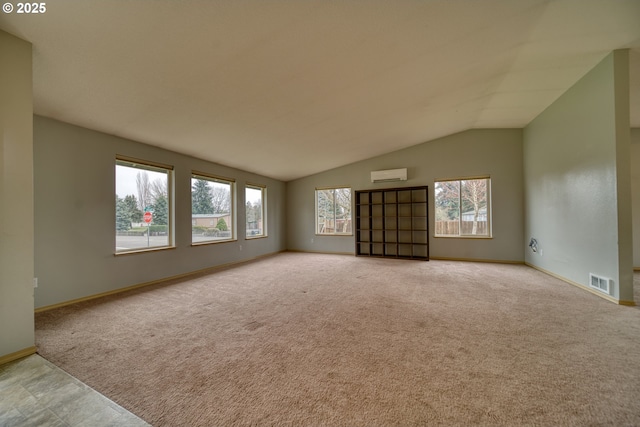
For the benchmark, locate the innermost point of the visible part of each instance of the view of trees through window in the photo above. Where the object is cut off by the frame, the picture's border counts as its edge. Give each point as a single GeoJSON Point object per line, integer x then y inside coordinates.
{"type": "Point", "coordinates": [333, 211]}
{"type": "Point", "coordinates": [462, 207]}
{"type": "Point", "coordinates": [142, 206]}
{"type": "Point", "coordinates": [254, 197]}
{"type": "Point", "coordinates": [211, 209]}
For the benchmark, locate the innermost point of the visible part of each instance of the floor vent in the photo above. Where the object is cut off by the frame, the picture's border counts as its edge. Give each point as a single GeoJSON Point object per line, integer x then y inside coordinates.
{"type": "Point", "coordinates": [599, 283]}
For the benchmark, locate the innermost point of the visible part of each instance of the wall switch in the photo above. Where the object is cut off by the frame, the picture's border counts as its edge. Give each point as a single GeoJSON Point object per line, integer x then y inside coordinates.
{"type": "Point", "coordinates": [240, 247]}
{"type": "Point", "coordinates": [312, 240]}
{"type": "Point", "coordinates": [35, 282]}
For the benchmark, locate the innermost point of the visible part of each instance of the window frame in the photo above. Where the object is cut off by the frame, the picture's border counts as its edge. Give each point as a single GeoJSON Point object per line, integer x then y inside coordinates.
{"type": "Point", "coordinates": [263, 202]}
{"type": "Point", "coordinates": [317, 222]}
{"type": "Point", "coordinates": [232, 205]}
{"type": "Point", "coordinates": [148, 165]}
{"type": "Point", "coordinates": [489, 210]}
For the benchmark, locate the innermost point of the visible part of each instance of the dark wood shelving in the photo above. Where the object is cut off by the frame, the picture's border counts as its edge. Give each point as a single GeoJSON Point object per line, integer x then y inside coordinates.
{"type": "Point", "coordinates": [393, 222]}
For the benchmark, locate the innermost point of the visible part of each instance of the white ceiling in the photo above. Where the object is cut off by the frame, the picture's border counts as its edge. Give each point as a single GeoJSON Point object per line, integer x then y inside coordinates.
{"type": "Point", "coordinates": [288, 88]}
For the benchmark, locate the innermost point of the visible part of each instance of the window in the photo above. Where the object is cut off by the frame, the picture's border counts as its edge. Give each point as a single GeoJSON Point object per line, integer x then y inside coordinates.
{"type": "Point", "coordinates": [212, 209]}
{"type": "Point", "coordinates": [333, 211]}
{"type": "Point", "coordinates": [255, 196]}
{"type": "Point", "coordinates": [144, 214]}
{"type": "Point", "coordinates": [463, 207]}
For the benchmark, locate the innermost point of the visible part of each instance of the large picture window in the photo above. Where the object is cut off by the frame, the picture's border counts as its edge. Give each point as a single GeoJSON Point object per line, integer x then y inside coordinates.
{"type": "Point", "coordinates": [255, 197]}
{"type": "Point", "coordinates": [212, 209]}
{"type": "Point", "coordinates": [463, 207]}
{"type": "Point", "coordinates": [143, 205]}
{"type": "Point", "coordinates": [333, 211]}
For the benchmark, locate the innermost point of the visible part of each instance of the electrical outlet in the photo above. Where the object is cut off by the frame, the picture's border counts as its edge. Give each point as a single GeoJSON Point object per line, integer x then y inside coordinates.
{"type": "Point", "coordinates": [311, 240]}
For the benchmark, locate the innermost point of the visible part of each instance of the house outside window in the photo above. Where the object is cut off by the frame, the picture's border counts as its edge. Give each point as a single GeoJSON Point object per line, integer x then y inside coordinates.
{"type": "Point", "coordinates": [255, 211]}
{"type": "Point", "coordinates": [212, 209]}
{"type": "Point", "coordinates": [463, 207]}
{"type": "Point", "coordinates": [144, 213]}
{"type": "Point", "coordinates": [333, 211]}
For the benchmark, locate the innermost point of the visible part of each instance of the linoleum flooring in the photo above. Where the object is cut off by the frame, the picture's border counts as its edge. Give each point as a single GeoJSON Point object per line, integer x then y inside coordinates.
{"type": "Point", "coordinates": [34, 392]}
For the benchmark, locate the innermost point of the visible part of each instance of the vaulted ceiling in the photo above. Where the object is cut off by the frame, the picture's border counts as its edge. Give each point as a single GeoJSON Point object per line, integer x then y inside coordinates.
{"type": "Point", "coordinates": [288, 88]}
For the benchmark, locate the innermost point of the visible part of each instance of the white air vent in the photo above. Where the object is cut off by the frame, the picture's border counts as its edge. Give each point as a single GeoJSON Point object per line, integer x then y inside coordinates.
{"type": "Point", "coordinates": [389, 175]}
{"type": "Point", "coordinates": [599, 283]}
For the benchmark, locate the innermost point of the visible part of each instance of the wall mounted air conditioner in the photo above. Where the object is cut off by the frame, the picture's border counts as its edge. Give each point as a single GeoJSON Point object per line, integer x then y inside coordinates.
{"type": "Point", "coordinates": [389, 175]}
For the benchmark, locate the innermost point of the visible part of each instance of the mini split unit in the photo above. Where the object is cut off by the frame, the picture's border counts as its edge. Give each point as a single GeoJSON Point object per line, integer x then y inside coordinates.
{"type": "Point", "coordinates": [389, 175]}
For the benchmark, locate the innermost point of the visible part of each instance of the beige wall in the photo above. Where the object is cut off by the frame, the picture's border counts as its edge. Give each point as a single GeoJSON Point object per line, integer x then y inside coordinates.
{"type": "Point", "coordinates": [16, 197]}
{"type": "Point", "coordinates": [577, 181]}
{"type": "Point", "coordinates": [497, 153]}
{"type": "Point", "coordinates": [635, 194]}
{"type": "Point", "coordinates": [75, 214]}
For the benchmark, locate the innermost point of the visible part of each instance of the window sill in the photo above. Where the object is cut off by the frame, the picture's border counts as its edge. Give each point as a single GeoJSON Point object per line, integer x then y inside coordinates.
{"type": "Point", "coordinates": [145, 250]}
{"type": "Point", "coordinates": [263, 236]}
{"type": "Point", "coordinates": [465, 237]}
{"type": "Point", "coordinates": [212, 242]}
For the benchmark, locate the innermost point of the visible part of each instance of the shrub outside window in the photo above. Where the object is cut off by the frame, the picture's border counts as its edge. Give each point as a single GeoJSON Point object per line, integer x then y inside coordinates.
{"type": "Point", "coordinates": [144, 215]}
{"type": "Point", "coordinates": [255, 197]}
{"type": "Point", "coordinates": [463, 207]}
{"type": "Point", "coordinates": [212, 209]}
{"type": "Point", "coordinates": [333, 211]}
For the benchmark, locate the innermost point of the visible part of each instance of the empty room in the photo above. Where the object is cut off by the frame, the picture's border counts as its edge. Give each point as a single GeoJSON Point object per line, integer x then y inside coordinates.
{"type": "Point", "coordinates": [312, 213]}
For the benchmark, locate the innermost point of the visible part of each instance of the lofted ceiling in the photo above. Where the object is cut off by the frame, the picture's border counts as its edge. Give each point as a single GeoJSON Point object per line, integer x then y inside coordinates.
{"type": "Point", "coordinates": [288, 88]}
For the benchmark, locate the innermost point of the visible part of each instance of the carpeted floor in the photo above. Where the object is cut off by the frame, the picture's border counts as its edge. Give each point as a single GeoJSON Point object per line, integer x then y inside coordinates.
{"type": "Point", "coordinates": [331, 340]}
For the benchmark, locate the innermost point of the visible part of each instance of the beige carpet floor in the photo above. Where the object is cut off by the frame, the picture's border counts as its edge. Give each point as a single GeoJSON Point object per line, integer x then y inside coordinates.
{"type": "Point", "coordinates": [329, 340]}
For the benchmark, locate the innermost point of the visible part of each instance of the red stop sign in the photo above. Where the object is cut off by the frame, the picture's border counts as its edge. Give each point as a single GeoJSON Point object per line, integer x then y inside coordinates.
{"type": "Point", "coordinates": [148, 217]}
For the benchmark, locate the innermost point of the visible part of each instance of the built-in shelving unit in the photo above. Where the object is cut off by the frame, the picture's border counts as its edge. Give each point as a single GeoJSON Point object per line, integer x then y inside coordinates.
{"type": "Point", "coordinates": [393, 223]}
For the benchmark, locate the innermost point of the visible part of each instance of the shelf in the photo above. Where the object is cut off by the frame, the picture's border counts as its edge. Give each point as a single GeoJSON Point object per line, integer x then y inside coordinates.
{"type": "Point", "coordinates": [392, 222]}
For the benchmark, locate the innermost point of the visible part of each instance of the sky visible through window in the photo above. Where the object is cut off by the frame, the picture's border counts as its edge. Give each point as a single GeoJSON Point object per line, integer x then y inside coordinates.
{"type": "Point", "coordinates": [126, 183]}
